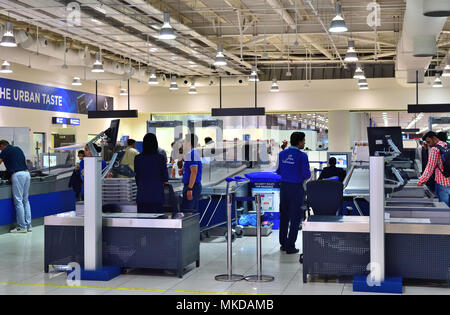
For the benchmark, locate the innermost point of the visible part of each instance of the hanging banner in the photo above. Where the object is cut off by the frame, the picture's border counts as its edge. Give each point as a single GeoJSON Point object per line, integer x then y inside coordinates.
{"type": "Point", "coordinates": [34, 96]}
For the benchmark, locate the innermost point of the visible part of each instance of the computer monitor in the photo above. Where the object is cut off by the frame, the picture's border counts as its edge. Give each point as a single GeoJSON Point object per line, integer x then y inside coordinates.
{"type": "Point", "coordinates": [379, 139]}
{"type": "Point", "coordinates": [112, 134]}
{"type": "Point", "coordinates": [48, 161]}
{"type": "Point", "coordinates": [343, 159]}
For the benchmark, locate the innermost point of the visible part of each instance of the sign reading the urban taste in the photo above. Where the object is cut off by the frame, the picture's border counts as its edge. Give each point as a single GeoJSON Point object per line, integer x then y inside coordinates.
{"type": "Point", "coordinates": [34, 96]}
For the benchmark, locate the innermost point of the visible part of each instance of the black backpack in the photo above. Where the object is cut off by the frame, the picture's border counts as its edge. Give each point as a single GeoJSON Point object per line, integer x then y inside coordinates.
{"type": "Point", "coordinates": [445, 155]}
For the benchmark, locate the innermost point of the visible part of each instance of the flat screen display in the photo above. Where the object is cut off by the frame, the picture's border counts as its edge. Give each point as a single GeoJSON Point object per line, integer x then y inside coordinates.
{"type": "Point", "coordinates": [378, 139]}
{"type": "Point", "coordinates": [49, 161]}
{"type": "Point", "coordinates": [341, 160]}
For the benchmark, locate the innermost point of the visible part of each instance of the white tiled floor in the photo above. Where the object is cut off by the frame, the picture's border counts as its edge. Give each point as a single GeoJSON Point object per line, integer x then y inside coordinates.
{"type": "Point", "coordinates": [21, 265]}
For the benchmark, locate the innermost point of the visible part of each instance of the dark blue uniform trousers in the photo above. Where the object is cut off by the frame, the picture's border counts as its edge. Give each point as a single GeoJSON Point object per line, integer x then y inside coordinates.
{"type": "Point", "coordinates": [291, 213]}
{"type": "Point", "coordinates": [192, 205]}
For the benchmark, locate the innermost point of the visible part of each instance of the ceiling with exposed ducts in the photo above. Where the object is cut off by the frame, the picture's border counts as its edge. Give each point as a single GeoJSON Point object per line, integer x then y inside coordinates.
{"type": "Point", "coordinates": [278, 36]}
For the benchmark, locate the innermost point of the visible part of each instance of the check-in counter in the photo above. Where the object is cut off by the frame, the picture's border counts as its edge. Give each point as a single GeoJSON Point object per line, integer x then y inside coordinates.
{"type": "Point", "coordinates": [153, 241]}
{"type": "Point", "coordinates": [49, 194]}
{"type": "Point", "coordinates": [416, 248]}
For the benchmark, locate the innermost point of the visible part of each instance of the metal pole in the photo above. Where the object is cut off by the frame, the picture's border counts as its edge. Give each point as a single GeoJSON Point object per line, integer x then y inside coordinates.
{"type": "Point", "coordinates": [229, 239]}
{"type": "Point", "coordinates": [259, 277]}
{"type": "Point", "coordinates": [128, 94]}
{"type": "Point", "coordinates": [229, 277]}
{"type": "Point", "coordinates": [96, 94]}
{"type": "Point", "coordinates": [258, 236]}
{"type": "Point", "coordinates": [256, 92]}
{"type": "Point", "coordinates": [377, 228]}
{"type": "Point", "coordinates": [417, 87]}
{"type": "Point", "coordinates": [220, 79]}
{"type": "Point", "coordinates": [93, 214]}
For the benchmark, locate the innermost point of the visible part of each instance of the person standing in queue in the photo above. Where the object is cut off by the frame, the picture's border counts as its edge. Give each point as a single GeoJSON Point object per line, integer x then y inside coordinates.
{"type": "Point", "coordinates": [130, 155]}
{"type": "Point", "coordinates": [16, 166]}
{"type": "Point", "coordinates": [151, 175]}
{"type": "Point", "coordinates": [435, 166]}
{"type": "Point", "coordinates": [192, 175]}
{"type": "Point", "coordinates": [293, 167]}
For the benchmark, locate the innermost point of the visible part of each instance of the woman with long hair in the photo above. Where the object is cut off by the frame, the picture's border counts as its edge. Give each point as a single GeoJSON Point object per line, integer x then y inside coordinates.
{"type": "Point", "coordinates": [151, 176]}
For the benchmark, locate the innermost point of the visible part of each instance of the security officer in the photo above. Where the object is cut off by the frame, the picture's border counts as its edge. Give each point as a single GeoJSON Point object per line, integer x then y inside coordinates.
{"type": "Point", "coordinates": [192, 174]}
{"type": "Point", "coordinates": [293, 167]}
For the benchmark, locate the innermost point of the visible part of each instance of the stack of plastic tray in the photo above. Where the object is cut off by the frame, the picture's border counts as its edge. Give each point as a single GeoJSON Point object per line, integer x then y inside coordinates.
{"type": "Point", "coordinates": [119, 190]}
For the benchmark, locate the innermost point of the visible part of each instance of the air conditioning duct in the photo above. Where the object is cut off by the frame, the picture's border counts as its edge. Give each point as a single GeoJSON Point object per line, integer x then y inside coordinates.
{"type": "Point", "coordinates": [418, 39]}
{"type": "Point", "coordinates": [436, 8]}
{"type": "Point", "coordinates": [424, 46]}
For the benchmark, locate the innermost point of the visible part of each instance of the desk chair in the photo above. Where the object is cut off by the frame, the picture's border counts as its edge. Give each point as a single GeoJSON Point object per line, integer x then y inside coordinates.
{"type": "Point", "coordinates": [324, 197]}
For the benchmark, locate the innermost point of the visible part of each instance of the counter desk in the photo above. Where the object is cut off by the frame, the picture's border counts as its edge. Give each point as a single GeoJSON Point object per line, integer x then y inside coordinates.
{"type": "Point", "coordinates": [416, 248]}
{"type": "Point", "coordinates": [130, 240]}
{"type": "Point", "coordinates": [49, 194]}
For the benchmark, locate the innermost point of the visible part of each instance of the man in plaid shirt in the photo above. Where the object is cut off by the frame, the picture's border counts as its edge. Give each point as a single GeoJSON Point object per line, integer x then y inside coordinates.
{"type": "Point", "coordinates": [435, 165]}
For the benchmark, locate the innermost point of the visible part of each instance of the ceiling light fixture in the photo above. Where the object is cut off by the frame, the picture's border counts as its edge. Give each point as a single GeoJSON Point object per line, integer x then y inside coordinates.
{"type": "Point", "coordinates": [6, 67]}
{"type": "Point", "coordinates": [362, 82]}
{"type": "Point", "coordinates": [437, 82]}
{"type": "Point", "coordinates": [220, 58]}
{"type": "Point", "coordinates": [359, 73]}
{"type": "Point", "coordinates": [8, 39]}
{"type": "Point", "coordinates": [254, 75]}
{"type": "Point", "coordinates": [153, 80]}
{"type": "Point", "coordinates": [446, 72]}
{"type": "Point", "coordinates": [338, 24]}
{"type": "Point", "coordinates": [173, 84]}
{"type": "Point", "coordinates": [351, 55]}
{"type": "Point", "coordinates": [167, 32]}
{"type": "Point", "coordinates": [76, 81]}
{"type": "Point", "coordinates": [193, 90]}
{"type": "Point", "coordinates": [275, 88]}
{"type": "Point", "coordinates": [98, 65]}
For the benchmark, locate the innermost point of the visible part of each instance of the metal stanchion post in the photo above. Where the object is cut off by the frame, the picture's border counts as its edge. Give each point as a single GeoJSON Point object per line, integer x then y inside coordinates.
{"type": "Point", "coordinates": [259, 277]}
{"type": "Point", "coordinates": [229, 277]}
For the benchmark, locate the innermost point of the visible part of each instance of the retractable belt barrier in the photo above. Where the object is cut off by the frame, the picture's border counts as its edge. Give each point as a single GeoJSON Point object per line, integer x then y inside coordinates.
{"type": "Point", "coordinates": [229, 276]}
{"type": "Point", "coordinates": [252, 177]}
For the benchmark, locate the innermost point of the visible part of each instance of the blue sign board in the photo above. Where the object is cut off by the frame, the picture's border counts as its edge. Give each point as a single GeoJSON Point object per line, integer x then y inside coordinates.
{"type": "Point", "coordinates": [66, 121]}
{"type": "Point", "coordinates": [34, 96]}
{"type": "Point", "coordinates": [59, 121]}
{"type": "Point", "coordinates": [74, 121]}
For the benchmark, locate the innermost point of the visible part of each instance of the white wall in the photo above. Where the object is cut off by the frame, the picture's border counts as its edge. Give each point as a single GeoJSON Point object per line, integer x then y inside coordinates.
{"type": "Point", "coordinates": [323, 95]}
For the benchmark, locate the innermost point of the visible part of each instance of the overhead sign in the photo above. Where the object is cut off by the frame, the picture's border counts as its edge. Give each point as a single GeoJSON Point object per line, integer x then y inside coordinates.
{"type": "Point", "coordinates": [74, 121]}
{"type": "Point", "coordinates": [35, 96]}
{"type": "Point", "coordinates": [66, 121]}
{"type": "Point", "coordinates": [59, 121]}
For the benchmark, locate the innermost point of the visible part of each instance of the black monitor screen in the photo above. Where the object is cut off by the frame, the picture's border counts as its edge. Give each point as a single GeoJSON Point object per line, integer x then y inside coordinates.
{"type": "Point", "coordinates": [112, 133]}
{"type": "Point", "coordinates": [378, 139]}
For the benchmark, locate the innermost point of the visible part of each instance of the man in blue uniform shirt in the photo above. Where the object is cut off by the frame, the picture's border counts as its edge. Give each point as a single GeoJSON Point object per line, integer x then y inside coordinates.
{"type": "Point", "coordinates": [15, 164]}
{"type": "Point", "coordinates": [293, 167]}
{"type": "Point", "coordinates": [192, 174]}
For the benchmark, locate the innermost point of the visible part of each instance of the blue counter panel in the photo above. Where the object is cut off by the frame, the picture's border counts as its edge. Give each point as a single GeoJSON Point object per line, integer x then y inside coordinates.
{"type": "Point", "coordinates": [41, 206]}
